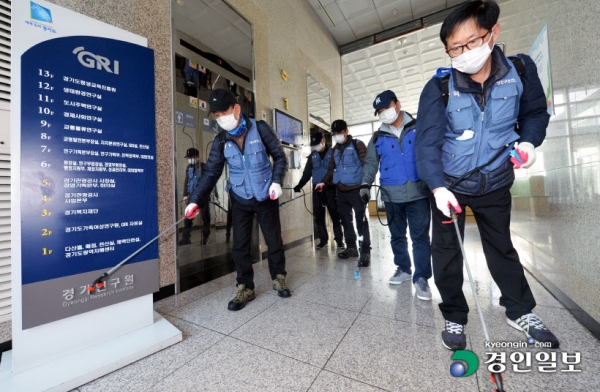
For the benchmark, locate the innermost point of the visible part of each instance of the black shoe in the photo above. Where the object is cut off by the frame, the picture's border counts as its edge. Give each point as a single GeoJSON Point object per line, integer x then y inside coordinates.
{"type": "Point", "coordinates": [453, 336]}
{"type": "Point", "coordinates": [281, 286]}
{"type": "Point", "coordinates": [341, 245]}
{"type": "Point", "coordinates": [242, 297]}
{"type": "Point", "coordinates": [184, 242]}
{"type": "Point", "coordinates": [534, 328]}
{"type": "Point", "coordinates": [322, 245]}
{"type": "Point", "coordinates": [205, 241]}
{"type": "Point", "coordinates": [364, 260]}
{"type": "Point", "coordinates": [347, 253]}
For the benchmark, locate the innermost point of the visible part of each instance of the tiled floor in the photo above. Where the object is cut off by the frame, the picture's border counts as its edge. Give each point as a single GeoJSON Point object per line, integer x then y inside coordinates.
{"type": "Point", "coordinates": [341, 334]}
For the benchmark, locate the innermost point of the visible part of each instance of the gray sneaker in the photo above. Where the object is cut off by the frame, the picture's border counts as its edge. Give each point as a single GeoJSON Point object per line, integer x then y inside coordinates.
{"type": "Point", "coordinates": [422, 288]}
{"type": "Point", "coordinates": [399, 277]}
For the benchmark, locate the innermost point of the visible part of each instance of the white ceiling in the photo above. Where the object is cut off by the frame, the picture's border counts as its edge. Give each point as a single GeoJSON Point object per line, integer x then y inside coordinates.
{"type": "Point", "coordinates": [349, 20]}
{"type": "Point", "coordinates": [217, 26]}
{"type": "Point", "coordinates": [318, 102]}
{"type": "Point", "coordinates": [403, 68]}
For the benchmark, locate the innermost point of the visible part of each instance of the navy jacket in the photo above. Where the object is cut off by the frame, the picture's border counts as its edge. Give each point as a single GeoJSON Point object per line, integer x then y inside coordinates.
{"type": "Point", "coordinates": [532, 119]}
{"type": "Point", "coordinates": [216, 160]}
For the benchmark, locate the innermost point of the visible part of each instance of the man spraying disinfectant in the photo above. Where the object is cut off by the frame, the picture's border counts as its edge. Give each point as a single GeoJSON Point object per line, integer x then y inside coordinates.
{"type": "Point", "coordinates": [255, 185]}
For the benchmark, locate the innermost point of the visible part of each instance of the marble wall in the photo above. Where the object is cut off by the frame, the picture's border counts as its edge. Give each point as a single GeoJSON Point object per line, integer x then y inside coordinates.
{"type": "Point", "coordinates": [556, 206]}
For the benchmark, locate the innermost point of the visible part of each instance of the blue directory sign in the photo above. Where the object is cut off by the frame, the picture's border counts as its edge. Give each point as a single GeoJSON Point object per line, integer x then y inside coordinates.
{"type": "Point", "coordinates": [88, 174]}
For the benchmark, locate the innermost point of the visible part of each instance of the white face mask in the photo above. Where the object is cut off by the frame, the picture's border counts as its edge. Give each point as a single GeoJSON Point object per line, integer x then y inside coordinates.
{"type": "Point", "coordinates": [472, 61]}
{"type": "Point", "coordinates": [389, 115]}
{"type": "Point", "coordinates": [191, 161]}
{"type": "Point", "coordinates": [227, 122]}
{"type": "Point", "coordinates": [339, 138]}
{"type": "Point", "coordinates": [317, 148]}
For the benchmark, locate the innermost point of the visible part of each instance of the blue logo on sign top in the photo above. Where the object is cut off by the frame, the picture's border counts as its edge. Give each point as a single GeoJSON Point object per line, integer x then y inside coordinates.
{"type": "Point", "coordinates": [40, 13]}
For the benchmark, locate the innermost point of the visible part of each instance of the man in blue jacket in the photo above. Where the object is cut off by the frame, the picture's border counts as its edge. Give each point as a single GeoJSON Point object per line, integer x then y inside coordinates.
{"type": "Point", "coordinates": [192, 174]}
{"type": "Point", "coordinates": [255, 185]}
{"type": "Point", "coordinates": [463, 151]}
{"type": "Point", "coordinates": [391, 150]}
{"type": "Point", "coordinates": [316, 167]}
{"type": "Point", "coordinates": [345, 171]}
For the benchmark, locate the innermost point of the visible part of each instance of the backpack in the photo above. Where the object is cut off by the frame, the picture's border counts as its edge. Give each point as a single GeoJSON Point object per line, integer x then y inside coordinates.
{"type": "Point", "coordinates": [517, 62]}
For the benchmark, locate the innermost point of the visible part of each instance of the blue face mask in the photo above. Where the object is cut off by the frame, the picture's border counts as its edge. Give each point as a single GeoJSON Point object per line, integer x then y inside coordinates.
{"type": "Point", "coordinates": [240, 128]}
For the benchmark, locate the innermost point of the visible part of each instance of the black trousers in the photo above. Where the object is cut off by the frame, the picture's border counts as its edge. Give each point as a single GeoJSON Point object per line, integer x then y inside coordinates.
{"type": "Point", "coordinates": [189, 223]}
{"type": "Point", "coordinates": [347, 202]}
{"type": "Point", "coordinates": [267, 214]}
{"type": "Point", "coordinates": [322, 201]}
{"type": "Point", "coordinates": [492, 213]}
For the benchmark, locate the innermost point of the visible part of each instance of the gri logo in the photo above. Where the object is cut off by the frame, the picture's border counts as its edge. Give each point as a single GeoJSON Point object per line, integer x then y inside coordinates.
{"type": "Point", "coordinates": [458, 369]}
{"type": "Point", "coordinates": [90, 60]}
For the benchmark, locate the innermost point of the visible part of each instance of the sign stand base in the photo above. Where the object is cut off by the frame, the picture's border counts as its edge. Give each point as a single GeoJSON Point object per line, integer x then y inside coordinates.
{"type": "Point", "coordinates": [71, 371]}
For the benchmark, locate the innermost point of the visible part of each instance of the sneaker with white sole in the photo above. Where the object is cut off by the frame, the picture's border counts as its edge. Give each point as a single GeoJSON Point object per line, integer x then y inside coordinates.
{"type": "Point", "coordinates": [534, 328]}
{"type": "Point", "coordinates": [422, 288]}
{"type": "Point", "coordinates": [399, 277]}
{"type": "Point", "coordinates": [454, 337]}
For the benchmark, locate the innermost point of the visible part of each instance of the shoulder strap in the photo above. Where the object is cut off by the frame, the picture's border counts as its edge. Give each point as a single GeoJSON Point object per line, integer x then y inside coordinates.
{"type": "Point", "coordinates": [221, 139]}
{"type": "Point", "coordinates": [354, 141]}
{"type": "Point", "coordinates": [444, 87]}
{"type": "Point", "coordinates": [519, 66]}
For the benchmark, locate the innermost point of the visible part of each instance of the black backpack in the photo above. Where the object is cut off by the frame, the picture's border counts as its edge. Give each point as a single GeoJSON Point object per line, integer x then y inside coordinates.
{"type": "Point", "coordinates": [516, 60]}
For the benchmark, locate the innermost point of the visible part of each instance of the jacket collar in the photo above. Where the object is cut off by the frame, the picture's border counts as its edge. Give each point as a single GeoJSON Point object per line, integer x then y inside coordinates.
{"type": "Point", "coordinates": [500, 67]}
{"type": "Point", "coordinates": [408, 123]}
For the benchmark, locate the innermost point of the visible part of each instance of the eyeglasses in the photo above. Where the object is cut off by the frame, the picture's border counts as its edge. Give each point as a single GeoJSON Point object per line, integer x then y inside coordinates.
{"type": "Point", "coordinates": [472, 44]}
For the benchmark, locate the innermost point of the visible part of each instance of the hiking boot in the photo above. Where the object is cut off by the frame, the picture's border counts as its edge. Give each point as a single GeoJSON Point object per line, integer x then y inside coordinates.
{"type": "Point", "coordinates": [341, 245]}
{"type": "Point", "coordinates": [534, 328]}
{"type": "Point", "coordinates": [422, 288]}
{"type": "Point", "coordinates": [453, 337]}
{"type": "Point", "coordinates": [399, 277]}
{"type": "Point", "coordinates": [347, 253]}
{"type": "Point", "coordinates": [185, 241]}
{"type": "Point", "coordinates": [242, 297]}
{"type": "Point", "coordinates": [364, 260]}
{"type": "Point", "coordinates": [322, 244]}
{"type": "Point", "coordinates": [281, 286]}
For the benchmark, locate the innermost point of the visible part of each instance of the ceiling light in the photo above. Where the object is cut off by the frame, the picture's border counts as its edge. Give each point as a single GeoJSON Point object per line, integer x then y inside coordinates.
{"type": "Point", "coordinates": [180, 2]}
{"type": "Point", "coordinates": [402, 40]}
{"type": "Point", "coordinates": [394, 12]}
{"type": "Point", "coordinates": [431, 44]}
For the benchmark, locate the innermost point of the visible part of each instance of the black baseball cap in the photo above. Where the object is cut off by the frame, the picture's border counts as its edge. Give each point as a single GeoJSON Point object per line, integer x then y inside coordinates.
{"type": "Point", "coordinates": [338, 126]}
{"type": "Point", "coordinates": [221, 100]}
{"type": "Point", "coordinates": [191, 153]}
{"type": "Point", "coordinates": [382, 101]}
{"type": "Point", "coordinates": [315, 138]}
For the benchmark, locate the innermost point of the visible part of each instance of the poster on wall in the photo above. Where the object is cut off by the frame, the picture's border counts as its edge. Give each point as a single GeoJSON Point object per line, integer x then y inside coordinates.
{"type": "Point", "coordinates": [540, 54]}
{"type": "Point", "coordinates": [87, 169]}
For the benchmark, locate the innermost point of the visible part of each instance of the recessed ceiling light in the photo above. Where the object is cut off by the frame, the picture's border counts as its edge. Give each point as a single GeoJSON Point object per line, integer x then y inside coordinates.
{"type": "Point", "coordinates": [402, 40]}
{"type": "Point", "coordinates": [394, 12]}
{"type": "Point", "coordinates": [431, 44]}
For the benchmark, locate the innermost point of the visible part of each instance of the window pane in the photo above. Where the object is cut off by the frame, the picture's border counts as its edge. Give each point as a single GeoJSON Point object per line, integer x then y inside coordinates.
{"type": "Point", "coordinates": [362, 129]}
